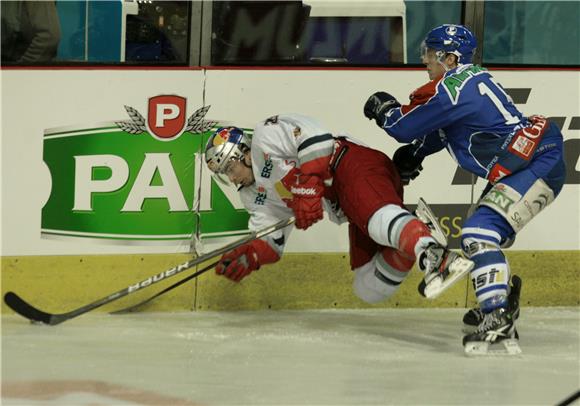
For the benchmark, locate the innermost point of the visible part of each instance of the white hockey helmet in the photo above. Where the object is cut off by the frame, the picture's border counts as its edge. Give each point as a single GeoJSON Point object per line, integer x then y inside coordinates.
{"type": "Point", "coordinates": [226, 144]}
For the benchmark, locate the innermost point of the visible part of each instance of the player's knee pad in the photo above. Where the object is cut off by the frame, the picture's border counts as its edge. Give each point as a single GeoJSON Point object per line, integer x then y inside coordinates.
{"type": "Point", "coordinates": [517, 209]}
{"type": "Point", "coordinates": [393, 226]}
{"type": "Point", "coordinates": [380, 278]}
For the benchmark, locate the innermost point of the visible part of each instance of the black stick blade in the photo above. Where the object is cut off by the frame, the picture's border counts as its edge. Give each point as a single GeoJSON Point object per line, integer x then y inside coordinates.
{"type": "Point", "coordinates": [26, 310]}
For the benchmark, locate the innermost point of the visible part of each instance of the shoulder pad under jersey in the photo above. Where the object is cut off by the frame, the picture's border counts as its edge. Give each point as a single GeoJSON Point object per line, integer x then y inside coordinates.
{"type": "Point", "coordinates": [421, 95]}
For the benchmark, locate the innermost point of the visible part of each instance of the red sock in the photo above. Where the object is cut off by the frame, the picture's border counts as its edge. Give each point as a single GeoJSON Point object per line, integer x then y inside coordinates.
{"type": "Point", "coordinates": [410, 235]}
{"type": "Point", "coordinates": [397, 259]}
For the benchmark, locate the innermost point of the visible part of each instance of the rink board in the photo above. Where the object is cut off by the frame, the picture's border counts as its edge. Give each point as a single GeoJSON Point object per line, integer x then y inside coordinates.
{"type": "Point", "coordinates": [63, 273]}
{"type": "Point", "coordinates": [52, 119]}
{"type": "Point", "coordinates": [298, 281]}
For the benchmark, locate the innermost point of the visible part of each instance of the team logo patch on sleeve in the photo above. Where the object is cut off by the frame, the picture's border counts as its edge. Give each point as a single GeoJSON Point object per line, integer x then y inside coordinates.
{"type": "Point", "coordinates": [527, 139]}
{"type": "Point", "coordinates": [522, 146]}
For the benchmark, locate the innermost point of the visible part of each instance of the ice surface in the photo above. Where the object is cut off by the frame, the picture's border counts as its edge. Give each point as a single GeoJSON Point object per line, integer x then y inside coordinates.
{"type": "Point", "coordinates": [329, 357]}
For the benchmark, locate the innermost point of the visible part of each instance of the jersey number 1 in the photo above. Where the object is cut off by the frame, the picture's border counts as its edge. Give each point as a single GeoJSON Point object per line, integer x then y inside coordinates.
{"type": "Point", "coordinates": [486, 91]}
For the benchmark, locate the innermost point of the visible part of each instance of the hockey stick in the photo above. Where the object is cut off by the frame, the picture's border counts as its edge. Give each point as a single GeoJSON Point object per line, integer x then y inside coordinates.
{"type": "Point", "coordinates": [135, 307]}
{"type": "Point", "coordinates": [30, 312]}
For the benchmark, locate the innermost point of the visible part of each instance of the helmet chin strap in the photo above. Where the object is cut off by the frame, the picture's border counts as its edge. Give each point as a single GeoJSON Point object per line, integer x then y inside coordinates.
{"type": "Point", "coordinates": [441, 55]}
{"type": "Point", "coordinates": [447, 69]}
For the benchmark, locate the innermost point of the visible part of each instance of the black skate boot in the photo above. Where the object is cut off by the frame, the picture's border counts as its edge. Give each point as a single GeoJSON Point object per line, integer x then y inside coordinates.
{"type": "Point", "coordinates": [496, 334]}
{"type": "Point", "coordinates": [474, 316]}
{"type": "Point", "coordinates": [442, 269]}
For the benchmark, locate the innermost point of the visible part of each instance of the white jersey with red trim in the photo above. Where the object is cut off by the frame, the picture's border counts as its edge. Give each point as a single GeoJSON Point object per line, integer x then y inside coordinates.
{"type": "Point", "coordinates": [280, 144]}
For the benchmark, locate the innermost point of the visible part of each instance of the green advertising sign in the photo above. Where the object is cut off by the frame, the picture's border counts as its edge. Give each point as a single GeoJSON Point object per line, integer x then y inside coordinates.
{"type": "Point", "coordinates": [136, 180]}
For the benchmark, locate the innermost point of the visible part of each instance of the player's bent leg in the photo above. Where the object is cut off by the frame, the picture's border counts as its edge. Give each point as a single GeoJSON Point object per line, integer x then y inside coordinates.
{"type": "Point", "coordinates": [380, 278]}
{"type": "Point", "coordinates": [490, 277]}
{"type": "Point", "coordinates": [395, 227]}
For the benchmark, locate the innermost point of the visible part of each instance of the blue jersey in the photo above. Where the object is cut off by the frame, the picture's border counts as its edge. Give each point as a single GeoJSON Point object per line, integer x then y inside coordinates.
{"type": "Point", "coordinates": [470, 114]}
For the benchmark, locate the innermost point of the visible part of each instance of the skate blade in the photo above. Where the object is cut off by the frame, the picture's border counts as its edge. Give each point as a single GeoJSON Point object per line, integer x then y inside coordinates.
{"type": "Point", "coordinates": [468, 329]}
{"type": "Point", "coordinates": [505, 347]}
{"type": "Point", "coordinates": [458, 270]}
{"type": "Point", "coordinates": [424, 213]}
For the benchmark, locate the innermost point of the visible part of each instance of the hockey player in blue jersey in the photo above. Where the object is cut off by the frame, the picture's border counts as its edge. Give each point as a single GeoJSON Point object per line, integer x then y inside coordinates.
{"type": "Point", "coordinates": [463, 109]}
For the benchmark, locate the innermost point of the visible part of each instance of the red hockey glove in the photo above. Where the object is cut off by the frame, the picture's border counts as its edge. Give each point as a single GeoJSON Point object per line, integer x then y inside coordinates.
{"type": "Point", "coordinates": [239, 263]}
{"type": "Point", "coordinates": [306, 202]}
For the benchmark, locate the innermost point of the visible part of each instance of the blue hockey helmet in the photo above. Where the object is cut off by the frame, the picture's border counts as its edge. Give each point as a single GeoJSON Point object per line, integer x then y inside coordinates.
{"type": "Point", "coordinates": [451, 39]}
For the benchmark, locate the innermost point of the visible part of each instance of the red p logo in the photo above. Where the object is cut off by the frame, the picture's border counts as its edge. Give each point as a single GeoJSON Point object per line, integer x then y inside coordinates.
{"type": "Point", "coordinates": [166, 116]}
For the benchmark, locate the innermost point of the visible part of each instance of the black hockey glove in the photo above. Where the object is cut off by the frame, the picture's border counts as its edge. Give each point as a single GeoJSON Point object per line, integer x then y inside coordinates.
{"type": "Point", "coordinates": [407, 163]}
{"type": "Point", "coordinates": [378, 105]}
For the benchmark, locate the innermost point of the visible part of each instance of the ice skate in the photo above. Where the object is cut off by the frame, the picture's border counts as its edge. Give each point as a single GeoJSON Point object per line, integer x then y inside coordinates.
{"type": "Point", "coordinates": [475, 316]}
{"type": "Point", "coordinates": [495, 335]}
{"type": "Point", "coordinates": [424, 213]}
{"type": "Point", "coordinates": [442, 269]}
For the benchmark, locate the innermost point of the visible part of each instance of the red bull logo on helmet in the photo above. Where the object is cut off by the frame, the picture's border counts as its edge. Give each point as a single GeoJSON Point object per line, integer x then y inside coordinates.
{"type": "Point", "coordinates": [227, 134]}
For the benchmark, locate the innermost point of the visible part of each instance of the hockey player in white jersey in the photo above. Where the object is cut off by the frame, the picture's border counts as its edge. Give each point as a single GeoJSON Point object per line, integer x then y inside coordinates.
{"type": "Point", "coordinates": [294, 166]}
